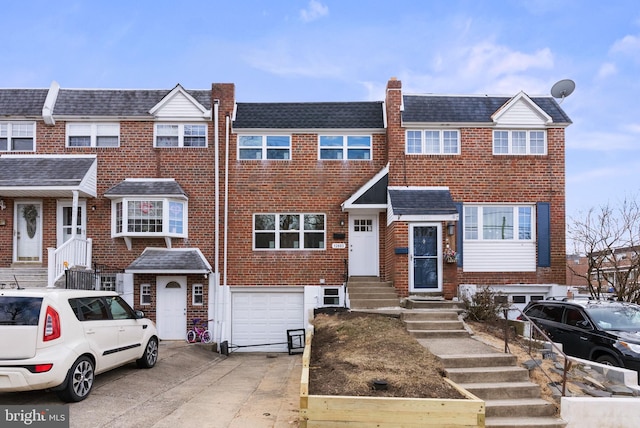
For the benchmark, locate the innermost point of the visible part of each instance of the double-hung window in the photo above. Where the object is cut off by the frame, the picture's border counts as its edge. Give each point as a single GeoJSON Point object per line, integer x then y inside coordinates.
{"type": "Point", "coordinates": [350, 147]}
{"type": "Point", "coordinates": [433, 142]}
{"type": "Point", "coordinates": [17, 136]}
{"type": "Point", "coordinates": [259, 147]}
{"type": "Point", "coordinates": [150, 217]}
{"type": "Point", "coordinates": [498, 223]}
{"type": "Point", "coordinates": [93, 134]}
{"type": "Point", "coordinates": [180, 135]}
{"type": "Point", "coordinates": [289, 231]}
{"type": "Point", "coordinates": [519, 142]}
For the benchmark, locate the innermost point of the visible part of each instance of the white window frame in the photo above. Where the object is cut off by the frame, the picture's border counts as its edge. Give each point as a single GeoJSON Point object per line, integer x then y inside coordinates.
{"type": "Point", "coordinates": [94, 131]}
{"type": "Point", "coordinates": [278, 233]}
{"type": "Point", "coordinates": [477, 234]}
{"type": "Point", "coordinates": [425, 148]}
{"type": "Point", "coordinates": [120, 216]}
{"type": "Point", "coordinates": [10, 131]}
{"type": "Point", "coordinates": [197, 290]}
{"type": "Point", "coordinates": [335, 297]}
{"type": "Point", "coordinates": [263, 147]}
{"type": "Point", "coordinates": [515, 149]}
{"type": "Point", "coordinates": [145, 291]}
{"type": "Point", "coordinates": [180, 133]}
{"type": "Point", "coordinates": [348, 144]}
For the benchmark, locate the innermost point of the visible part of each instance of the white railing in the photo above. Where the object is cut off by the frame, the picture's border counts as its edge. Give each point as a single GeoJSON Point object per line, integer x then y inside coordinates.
{"type": "Point", "coordinates": [75, 252]}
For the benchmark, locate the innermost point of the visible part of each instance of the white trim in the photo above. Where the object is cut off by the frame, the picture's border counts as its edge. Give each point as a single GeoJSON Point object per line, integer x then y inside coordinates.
{"type": "Point", "coordinates": [179, 90]}
{"type": "Point", "coordinates": [499, 115]}
{"type": "Point", "coordinates": [439, 260]}
{"type": "Point", "coordinates": [349, 203]}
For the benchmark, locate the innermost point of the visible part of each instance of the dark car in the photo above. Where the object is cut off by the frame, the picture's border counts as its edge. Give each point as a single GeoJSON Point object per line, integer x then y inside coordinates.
{"type": "Point", "coordinates": [603, 331]}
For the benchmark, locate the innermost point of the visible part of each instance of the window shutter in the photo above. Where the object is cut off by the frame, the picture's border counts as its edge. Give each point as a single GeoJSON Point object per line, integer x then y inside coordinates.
{"type": "Point", "coordinates": [460, 232]}
{"type": "Point", "coordinates": [544, 234]}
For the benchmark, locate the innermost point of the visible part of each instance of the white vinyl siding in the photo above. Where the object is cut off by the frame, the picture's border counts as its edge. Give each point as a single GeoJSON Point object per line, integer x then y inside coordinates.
{"type": "Point", "coordinates": [499, 256]}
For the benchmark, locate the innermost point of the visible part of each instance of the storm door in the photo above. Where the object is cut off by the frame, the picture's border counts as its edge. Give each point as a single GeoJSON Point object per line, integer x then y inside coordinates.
{"type": "Point", "coordinates": [425, 255]}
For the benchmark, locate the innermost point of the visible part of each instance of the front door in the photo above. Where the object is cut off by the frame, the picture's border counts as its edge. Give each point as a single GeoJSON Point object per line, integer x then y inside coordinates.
{"type": "Point", "coordinates": [65, 212]}
{"type": "Point", "coordinates": [27, 236]}
{"type": "Point", "coordinates": [425, 268]}
{"type": "Point", "coordinates": [171, 312]}
{"type": "Point", "coordinates": [363, 245]}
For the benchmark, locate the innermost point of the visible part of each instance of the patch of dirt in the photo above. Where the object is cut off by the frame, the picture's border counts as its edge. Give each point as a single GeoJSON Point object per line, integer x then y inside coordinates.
{"type": "Point", "coordinates": [350, 350]}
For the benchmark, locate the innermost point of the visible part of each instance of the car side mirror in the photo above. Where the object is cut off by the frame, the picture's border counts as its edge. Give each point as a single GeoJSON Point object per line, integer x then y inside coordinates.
{"type": "Point", "coordinates": [139, 314]}
{"type": "Point", "coordinates": [585, 325]}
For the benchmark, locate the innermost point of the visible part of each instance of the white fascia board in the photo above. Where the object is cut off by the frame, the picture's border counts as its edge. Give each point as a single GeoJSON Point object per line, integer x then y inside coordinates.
{"type": "Point", "coordinates": [422, 218]}
{"type": "Point", "coordinates": [319, 131]}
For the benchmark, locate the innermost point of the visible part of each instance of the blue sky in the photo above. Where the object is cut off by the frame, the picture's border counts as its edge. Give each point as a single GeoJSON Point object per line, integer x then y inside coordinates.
{"type": "Point", "coordinates": [346, 50]}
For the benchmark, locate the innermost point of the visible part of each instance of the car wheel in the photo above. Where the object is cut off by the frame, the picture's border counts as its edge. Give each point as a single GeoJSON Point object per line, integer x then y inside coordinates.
{"type": "Point", "coordinates": [607, 360]}
{"type": "Point", "coordinates": [150, 356]}
{"type": "Point", "coordinates": [79, 381]}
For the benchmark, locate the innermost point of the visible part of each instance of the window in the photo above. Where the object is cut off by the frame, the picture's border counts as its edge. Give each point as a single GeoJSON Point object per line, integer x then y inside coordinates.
{"type": "Point", "coordinates": [519, 142]}
{"type": "Point", "coordinates": [433, 142]}
{"type": "Point", "coordinates": [181, 135]}
{"type": "Point", "coordinates": [149, 217]}
{"type": "Point", "coordinates": [331, 296]}
{"type": "Point", "coordinates": [351, 147]}
{"type": "Point", "coordinates": [93, 134]}
{"type": "Point", "coordinates": [17, 136]}
{"type": "Point", "coordinates": [288, 231]}
{"type": "Point", "coordinates": [145, 294]}
{"type": "Point", "coordinates": [519, 299]}
{"type": "Point", "coordinates": [498, 223]}
{"type": "Point", "coordinates": [198, 294]}
{"type": "Point", "coordinates": [120, 310]}
{"type": "Point", "coordinates": [108, 281]}
{"type": "Point", "coordinates": [257, 147]}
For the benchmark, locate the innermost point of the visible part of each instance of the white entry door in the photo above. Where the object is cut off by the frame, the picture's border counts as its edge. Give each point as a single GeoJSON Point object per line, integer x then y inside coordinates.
{"type": "Point", "coordinates": [64, 218]}
{"type": "Point", "coordinates": [27, 239]}
{"type": "Point", "coordinates": [363, 245]}
{"type": "Point", "coordinates": [171, 307]}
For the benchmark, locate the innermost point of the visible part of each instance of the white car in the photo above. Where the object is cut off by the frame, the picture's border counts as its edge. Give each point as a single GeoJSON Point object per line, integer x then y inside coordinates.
{"type": "Point", "coordinates": [60, 339]}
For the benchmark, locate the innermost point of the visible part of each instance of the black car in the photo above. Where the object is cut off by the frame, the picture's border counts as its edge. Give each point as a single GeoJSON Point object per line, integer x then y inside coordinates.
{"type": "Point", "coordinates": [603, 331]}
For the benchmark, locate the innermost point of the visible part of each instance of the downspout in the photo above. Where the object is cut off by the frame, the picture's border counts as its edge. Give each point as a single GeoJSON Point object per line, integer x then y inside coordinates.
{"type": "Point", "coordinates": [226, 197]}
{"type": "Point", "coordinates": [216, 244]}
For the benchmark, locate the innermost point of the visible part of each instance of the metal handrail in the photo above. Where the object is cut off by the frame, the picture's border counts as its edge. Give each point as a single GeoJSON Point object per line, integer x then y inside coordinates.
{"type": "Point", "coordinates": [554, 346]}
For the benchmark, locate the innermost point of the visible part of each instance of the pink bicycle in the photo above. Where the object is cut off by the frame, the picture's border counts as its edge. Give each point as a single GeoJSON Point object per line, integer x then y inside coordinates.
{"type": "Point", "coordinates": [199, 334]}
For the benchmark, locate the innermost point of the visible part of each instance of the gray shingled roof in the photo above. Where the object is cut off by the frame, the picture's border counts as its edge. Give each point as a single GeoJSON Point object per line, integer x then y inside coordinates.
{"type": "Point", "coordinates": [326, 115]}
{"type": "Point", "coordinates": [43, 171]}
{"type": "Point", "coordinates": [421, 202]}
{"type": "Point", "coordinates": [376, 194]}
{"type": "Point", "coordinates": [146, 188]}
{"type": "Point", "coordinates": [452, 109]}
{"type": "Point", "coordinates": [22, 102]}
{"type": "Point", "coordinates": [90, 102]}
{"type": "Point", "coordinates": [170, 260]}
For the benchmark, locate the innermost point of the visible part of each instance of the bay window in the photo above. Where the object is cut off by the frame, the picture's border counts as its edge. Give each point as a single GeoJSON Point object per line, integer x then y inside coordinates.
{"type": "Point", "coordinates": [149, 217]}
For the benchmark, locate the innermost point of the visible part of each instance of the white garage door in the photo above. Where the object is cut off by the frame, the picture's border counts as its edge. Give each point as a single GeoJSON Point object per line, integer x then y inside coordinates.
{"type": "Point", "coordinates": [263, 318]}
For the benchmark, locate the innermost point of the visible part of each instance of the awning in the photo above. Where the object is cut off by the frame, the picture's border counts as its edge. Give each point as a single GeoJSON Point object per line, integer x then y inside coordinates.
{"type": "Point", "coordinates": [54, 176]}
{"type": "Point", "coordinates": [170, 260]}
{"type": "Point", "coordinates": [165, 187]}
{"type": "Point", "coordinates": [421, 204]}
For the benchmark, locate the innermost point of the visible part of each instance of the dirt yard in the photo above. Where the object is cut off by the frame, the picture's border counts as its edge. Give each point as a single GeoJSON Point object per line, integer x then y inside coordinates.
{"type": "Point", "coordinates": [351, 350]}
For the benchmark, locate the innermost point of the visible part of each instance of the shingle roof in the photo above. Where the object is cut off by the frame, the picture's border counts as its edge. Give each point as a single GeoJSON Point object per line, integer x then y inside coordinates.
{"type": "Point", "coordinates": [187, 260]}
{"type": "Point", "coordinates": [421, 202]}
{"type": "Point", "coordinates": [22, 102]}
{"type": "Point", "coordinates": [468, 109]}
{"type": "Point", "coordinates": [149, 187]}
{"type": "Point", "coordinates": [43, 171]}
{"type": "Point", "coordinates": [376, 194]}
{"type": "Point", "coordinates": [326, 115]}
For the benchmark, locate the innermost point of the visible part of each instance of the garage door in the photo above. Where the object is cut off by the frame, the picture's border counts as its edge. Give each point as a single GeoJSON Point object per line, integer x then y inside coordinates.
{"type": "Point", "coordinates": [263, 318]}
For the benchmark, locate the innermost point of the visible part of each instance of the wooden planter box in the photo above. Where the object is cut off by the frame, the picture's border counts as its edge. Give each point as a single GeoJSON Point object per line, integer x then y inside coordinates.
{"type": "Point", "coordinates": [385, 412]}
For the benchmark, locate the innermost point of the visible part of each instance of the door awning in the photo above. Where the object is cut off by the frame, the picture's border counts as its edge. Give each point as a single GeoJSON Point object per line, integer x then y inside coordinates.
{"type": "Point", "coordinates": [421, 204]}
{"type": "Point", "coordinates": [170, 261]}
{"type": "Point", "coordinates": [52, 176]}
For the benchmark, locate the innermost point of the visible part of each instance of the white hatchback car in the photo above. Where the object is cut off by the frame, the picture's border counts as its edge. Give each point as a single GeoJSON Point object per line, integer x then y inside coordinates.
{"type": "Point", "coordinates": [60, 339]}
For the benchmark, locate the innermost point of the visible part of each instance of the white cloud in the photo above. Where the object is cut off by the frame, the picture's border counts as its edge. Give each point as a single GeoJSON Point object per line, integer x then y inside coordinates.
{"type": "Point", "coordinates": [628, 45]}
{"type": "Point", "coordinates": [315, 10]}
{"type": "Point", "coordinates": [607, 69]}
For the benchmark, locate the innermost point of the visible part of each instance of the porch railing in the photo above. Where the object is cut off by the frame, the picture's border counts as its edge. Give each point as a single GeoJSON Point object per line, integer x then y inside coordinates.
{"type": "Point", "coordinates": [75, 252]}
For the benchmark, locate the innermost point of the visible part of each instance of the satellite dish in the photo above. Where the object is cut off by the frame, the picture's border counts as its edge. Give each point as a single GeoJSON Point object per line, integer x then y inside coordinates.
{"type": "Point", "coordinates": [563, 89]}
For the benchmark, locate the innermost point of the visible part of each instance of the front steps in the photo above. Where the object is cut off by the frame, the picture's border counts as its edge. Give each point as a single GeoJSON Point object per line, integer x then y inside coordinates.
{"type": "Point", "coordinates": [27, 277]}
{"type": "Point", "coordinates": [511, 399]}
{"type": "Point", "coordinates": [370, 293]}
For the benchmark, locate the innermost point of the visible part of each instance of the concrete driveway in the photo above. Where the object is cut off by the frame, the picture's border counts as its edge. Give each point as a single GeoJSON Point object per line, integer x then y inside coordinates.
{"type": "Point", "coordinates": [189, 387]}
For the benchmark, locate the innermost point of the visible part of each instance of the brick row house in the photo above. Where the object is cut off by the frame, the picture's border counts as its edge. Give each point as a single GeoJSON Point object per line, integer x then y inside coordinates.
{"type": "Point", "coordinates": [252, 215]}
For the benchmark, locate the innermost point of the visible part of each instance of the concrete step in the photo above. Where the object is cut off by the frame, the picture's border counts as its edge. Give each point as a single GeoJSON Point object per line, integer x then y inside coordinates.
{"type": "Point", "coordinates": [478, 360]}
{"type": "Point", "coordinates": [27, 277]}
{"type": "Point", "coordinates": [434, 304]}
{"type": "Point", "coordinates": [521, 407]}
{"type": "Point", "coordinates": [430, 315]}
{"type": "Point", "coordinates": [434, 325]}
{"type": "Point", "coordinates": [378, 293]}
{"type": "Point", "coordinates": [374, 303]}
{"type": "Point", "coordinates": [488, 374]}
{"type": "Point", "coordinates": [502, 390]}
{"type": "Point", "coordinates": [513, 422]}
{"type": "Point", "coordinates": [438, 334]}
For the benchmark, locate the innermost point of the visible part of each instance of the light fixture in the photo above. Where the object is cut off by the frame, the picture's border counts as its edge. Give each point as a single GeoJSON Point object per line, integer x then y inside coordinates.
{"type": "Point", "coordinates": [341, 222]}
{"type": "Point", "coordinates": [451, 228]}
{"type": "Point", "coordinates": [93, 207]}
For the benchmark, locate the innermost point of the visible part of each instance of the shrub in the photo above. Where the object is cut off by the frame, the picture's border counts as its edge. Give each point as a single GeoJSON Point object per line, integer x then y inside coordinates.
{"type": "Point", "coordinates": [485, 305]}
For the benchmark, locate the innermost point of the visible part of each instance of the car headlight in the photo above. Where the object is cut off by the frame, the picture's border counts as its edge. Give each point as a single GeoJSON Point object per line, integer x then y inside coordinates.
{"type": "Point", "coordinates": [631, 346]}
